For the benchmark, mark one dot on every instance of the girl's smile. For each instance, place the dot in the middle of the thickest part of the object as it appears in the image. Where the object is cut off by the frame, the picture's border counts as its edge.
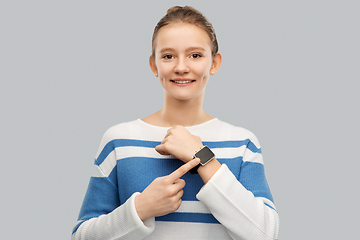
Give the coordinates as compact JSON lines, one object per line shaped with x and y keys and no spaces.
{"x":182,"y":82}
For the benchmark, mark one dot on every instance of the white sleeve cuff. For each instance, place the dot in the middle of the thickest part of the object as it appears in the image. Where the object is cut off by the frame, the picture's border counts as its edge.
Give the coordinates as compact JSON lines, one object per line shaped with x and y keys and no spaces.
{"x":142,"y":228}
{"x":223,"y":180}
{"x":233,"y":206}
{"x":122,"y":223}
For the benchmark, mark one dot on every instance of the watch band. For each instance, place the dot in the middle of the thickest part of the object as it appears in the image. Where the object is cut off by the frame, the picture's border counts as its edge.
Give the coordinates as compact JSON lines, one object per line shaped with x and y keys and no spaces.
{"x":194,"y":169}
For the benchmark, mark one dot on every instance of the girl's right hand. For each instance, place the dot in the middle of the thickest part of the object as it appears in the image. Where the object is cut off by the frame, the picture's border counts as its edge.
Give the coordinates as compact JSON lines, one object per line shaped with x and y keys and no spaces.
{"x":163,"y":195}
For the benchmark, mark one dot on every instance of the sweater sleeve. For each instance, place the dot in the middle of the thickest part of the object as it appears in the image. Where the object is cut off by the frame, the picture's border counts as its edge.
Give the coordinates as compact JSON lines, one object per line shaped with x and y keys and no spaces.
{"x":243,"y":204}
{"x":242,"y":214}
{"x":103,"y":215}
{"x":122,"y":223}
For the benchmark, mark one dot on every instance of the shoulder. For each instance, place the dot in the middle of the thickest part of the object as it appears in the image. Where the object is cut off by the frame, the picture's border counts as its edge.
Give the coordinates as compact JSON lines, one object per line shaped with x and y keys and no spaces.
{"x":121,"y":130}
{"x":118,"y":131}
{"x":232,"y":132}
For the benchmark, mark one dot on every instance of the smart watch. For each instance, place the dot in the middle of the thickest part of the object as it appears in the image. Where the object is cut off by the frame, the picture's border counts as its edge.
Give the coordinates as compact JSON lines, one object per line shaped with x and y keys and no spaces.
{"x":205,"y":155}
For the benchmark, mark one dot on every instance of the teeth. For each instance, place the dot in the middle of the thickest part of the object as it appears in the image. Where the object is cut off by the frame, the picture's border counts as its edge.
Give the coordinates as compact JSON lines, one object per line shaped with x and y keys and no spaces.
{"x":181,"y":82}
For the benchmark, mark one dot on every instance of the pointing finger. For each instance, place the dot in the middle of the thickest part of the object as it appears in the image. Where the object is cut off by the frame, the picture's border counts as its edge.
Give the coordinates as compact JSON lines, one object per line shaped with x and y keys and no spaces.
{"x":178,"y":173}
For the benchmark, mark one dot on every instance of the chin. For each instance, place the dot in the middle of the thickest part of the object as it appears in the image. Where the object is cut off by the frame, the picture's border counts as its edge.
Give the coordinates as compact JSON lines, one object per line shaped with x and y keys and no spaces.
{"x":187,"y":97}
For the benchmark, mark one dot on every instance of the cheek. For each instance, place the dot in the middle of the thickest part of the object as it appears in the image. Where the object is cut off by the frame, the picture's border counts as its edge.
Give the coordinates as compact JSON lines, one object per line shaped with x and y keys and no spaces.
{"x":164,"y":70}
{"x":202,"y":70}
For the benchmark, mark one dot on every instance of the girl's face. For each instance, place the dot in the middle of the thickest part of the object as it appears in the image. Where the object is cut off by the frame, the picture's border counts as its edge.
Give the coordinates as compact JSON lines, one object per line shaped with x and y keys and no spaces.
{"x":183,"y":60}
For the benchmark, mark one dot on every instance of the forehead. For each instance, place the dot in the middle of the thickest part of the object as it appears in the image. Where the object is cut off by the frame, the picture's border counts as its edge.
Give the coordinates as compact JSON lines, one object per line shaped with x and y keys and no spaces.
{"x":182,"y":35}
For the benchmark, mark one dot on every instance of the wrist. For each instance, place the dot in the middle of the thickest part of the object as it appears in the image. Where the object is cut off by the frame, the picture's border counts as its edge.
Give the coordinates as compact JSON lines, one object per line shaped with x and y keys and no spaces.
{"x":196,"y":146}
{"x":141,"y":208}
{"x":208,"y":170}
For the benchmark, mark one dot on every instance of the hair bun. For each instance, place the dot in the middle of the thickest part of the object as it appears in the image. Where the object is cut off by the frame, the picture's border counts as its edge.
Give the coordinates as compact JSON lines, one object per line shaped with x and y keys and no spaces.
{"x":173,"y":9}
{"x":186,"y":8}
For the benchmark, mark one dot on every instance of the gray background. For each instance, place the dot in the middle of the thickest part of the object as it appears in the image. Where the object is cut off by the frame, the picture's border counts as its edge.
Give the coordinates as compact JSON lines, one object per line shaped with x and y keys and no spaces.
{"x":71,"y":69}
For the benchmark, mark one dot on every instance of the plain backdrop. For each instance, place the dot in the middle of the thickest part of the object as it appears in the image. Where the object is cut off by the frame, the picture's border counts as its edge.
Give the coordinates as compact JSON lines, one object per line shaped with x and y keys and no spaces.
{"x":69,"y":70}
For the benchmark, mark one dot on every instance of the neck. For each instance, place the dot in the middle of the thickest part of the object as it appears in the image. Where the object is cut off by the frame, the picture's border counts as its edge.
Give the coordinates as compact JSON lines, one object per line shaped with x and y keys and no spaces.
{"x":183,"y":113}
{"x":177,"y":112}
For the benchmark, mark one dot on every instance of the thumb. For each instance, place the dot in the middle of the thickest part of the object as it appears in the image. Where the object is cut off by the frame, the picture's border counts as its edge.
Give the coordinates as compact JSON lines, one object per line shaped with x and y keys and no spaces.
{"x":160,"y":149}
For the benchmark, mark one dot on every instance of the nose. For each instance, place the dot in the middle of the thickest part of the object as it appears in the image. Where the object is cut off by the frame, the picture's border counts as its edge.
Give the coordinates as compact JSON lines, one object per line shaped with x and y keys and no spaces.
{"x":181,"y":66}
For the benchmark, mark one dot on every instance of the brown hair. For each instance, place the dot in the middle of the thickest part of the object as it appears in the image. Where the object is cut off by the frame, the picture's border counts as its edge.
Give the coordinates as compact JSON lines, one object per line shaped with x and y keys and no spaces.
{"x":190,"y":15}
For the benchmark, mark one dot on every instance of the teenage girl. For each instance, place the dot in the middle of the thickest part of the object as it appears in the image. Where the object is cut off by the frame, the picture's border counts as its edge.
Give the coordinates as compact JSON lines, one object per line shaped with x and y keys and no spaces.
{"x":179,"y":173}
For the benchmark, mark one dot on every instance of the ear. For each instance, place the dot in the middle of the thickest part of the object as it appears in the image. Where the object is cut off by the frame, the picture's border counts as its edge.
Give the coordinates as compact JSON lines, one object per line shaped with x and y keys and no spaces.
{"x":217,"y":59}
{"x":153,"y":65}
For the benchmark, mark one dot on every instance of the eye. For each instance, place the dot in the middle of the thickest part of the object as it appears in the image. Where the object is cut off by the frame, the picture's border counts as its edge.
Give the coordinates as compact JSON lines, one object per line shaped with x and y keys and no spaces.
{"x":196,"y":55}
{"x":168,"y":56}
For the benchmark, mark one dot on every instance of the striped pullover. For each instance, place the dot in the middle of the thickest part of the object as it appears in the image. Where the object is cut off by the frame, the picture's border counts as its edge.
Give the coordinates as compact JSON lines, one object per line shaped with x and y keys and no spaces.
{"x":236,"y":202}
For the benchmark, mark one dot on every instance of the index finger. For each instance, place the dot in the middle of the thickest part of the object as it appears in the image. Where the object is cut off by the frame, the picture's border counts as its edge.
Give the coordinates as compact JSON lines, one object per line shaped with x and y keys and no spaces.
{"x":178,"y":173}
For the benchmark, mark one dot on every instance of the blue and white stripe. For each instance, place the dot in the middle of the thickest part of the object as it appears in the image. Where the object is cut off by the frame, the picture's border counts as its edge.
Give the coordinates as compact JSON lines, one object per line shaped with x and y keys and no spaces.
{"x":127,"y":162}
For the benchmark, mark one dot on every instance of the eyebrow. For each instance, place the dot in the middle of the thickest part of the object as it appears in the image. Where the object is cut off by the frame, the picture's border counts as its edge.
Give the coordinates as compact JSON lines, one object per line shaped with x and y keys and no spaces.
{"x":195,"y":48}
{"x":187,"y":50}
{"x":167,"y":50}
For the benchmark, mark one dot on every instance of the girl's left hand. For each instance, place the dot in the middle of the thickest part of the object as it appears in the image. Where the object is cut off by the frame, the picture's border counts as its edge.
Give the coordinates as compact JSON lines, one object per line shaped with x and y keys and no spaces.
{"x":180,"y":143}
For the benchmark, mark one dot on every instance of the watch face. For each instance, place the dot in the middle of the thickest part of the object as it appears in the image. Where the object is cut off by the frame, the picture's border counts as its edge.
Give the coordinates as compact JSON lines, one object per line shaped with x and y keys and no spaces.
{"x":205,"y":155}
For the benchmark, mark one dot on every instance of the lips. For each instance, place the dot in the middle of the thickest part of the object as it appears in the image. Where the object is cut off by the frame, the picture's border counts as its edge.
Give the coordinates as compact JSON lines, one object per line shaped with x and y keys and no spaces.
{"x":182,"y":81}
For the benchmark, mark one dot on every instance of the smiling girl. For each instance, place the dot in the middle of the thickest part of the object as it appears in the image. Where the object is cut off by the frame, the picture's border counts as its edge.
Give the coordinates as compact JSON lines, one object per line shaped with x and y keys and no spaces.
{"x":179,"y":173}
